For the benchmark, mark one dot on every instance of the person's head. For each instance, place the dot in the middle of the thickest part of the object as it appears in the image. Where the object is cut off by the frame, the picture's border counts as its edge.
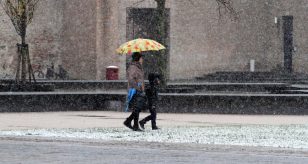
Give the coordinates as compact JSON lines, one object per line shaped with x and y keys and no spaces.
{"x":137,"y":57}
{"x":154,"y":78}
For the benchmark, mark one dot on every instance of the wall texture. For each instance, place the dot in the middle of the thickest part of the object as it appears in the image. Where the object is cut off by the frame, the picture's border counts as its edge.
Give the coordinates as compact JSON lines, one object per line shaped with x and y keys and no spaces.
{"x":82,"y":35}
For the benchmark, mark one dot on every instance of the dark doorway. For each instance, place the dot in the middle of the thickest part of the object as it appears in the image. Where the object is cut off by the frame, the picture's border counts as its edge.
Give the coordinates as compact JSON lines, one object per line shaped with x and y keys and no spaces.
{"x":288,"y":42}
{"x":143,"y":23}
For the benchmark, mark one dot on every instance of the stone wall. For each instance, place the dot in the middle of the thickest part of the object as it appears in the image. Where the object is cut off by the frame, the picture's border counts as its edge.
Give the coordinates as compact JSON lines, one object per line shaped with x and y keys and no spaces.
{"x":8,"y":40}
{"x":79,"y":39}
{"x":299,"y":10}
{"x":202,"y":43}
{"x":83,"y":36}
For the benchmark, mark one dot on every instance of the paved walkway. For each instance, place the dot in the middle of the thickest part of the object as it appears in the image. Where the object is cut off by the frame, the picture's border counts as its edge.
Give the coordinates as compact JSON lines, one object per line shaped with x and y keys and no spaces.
{"x":102,"y":119}
{"x":100,"y":137}
{"x":38,"y":152}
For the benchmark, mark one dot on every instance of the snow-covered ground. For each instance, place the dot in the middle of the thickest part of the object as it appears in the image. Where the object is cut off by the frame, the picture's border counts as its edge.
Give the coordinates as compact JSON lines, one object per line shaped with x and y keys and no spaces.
{"x":276,"y":131}
{"x":284,"y":136}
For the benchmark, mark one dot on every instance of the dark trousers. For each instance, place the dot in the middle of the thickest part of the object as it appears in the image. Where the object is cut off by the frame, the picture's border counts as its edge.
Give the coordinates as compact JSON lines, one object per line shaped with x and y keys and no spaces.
{"x":152,"y":116}
{"x":136,"y":105}
{"x":134,"y":116}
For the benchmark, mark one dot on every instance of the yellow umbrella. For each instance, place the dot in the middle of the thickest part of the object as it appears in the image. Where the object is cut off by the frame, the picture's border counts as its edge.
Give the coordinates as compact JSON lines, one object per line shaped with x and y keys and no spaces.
{"x":140,"y":45}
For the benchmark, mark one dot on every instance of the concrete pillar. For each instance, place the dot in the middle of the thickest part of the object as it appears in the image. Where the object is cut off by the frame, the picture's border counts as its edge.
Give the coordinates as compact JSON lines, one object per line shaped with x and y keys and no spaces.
{"x":107,"y":30}
{"x":99,"y":39}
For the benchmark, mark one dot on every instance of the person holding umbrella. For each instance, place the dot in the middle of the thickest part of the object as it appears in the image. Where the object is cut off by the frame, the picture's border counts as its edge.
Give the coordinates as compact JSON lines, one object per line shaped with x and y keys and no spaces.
{"x":136,"y":99}
{"x":135,"y":77}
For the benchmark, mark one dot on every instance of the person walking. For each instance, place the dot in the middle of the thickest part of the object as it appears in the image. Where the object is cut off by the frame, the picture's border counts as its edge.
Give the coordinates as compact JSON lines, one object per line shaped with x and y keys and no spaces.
{"x":135,"y":77}
{"x":152,"y":96}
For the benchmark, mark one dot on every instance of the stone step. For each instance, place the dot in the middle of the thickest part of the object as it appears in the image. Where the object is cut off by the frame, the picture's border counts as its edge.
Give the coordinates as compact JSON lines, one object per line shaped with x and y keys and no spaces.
{"x":178,"y":90}
{"x":238,"y":87}
{"x":294,"y":92}
{"x":252,"y":76}
{"x":27,"y":87}
{"x":295,"y":89}
{"x":212,"y":103}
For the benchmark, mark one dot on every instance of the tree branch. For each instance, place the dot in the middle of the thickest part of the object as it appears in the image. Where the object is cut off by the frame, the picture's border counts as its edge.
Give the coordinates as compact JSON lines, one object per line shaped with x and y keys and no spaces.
{"x":31,"y":8}
{"x":20,"y":12}
{"x":12,"y":13}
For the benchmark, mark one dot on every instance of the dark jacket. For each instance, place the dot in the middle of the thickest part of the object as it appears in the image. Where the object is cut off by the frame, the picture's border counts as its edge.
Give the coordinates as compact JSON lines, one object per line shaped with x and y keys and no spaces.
{"x":151,"y":92}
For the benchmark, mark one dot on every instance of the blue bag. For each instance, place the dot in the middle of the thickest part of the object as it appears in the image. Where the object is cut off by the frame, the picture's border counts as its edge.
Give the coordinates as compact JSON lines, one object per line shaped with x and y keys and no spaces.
{"x":130,"y":95}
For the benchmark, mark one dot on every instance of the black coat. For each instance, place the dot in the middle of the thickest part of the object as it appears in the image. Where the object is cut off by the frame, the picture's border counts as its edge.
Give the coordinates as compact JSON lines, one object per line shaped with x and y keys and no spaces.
{"x":151,"y":92}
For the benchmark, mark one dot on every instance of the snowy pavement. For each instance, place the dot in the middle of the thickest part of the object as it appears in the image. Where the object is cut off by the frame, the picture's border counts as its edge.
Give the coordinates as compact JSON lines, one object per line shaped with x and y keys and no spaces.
{"x":235,"y":130}
{"x":59,"y":152}
{"x":284,"y":136}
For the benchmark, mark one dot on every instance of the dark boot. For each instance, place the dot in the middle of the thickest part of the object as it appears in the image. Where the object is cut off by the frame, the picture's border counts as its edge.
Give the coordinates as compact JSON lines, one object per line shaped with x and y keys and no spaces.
{"x":138,"y":130}
{"x":141,"y":123}
{"x":128,"y":121}
{"x":127,"y":124}
{"x":136,"y":124}
{"x":154,"y":127}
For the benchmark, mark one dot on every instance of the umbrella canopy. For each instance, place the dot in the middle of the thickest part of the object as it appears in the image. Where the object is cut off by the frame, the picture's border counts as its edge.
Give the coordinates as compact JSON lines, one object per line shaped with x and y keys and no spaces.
{"x":139,"y":45}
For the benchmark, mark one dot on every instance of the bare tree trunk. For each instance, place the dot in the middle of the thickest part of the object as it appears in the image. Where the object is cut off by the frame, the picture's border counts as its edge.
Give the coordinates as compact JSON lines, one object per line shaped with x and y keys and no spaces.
{"x":23,"y":64}
{"x":30,"y":70}
{"x":24,"y":46}
{"x":17,"y":79}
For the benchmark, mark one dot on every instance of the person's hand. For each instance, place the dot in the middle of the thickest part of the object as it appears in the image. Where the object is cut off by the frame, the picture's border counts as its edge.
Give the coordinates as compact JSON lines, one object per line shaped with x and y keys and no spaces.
{"x":141,"y":94}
